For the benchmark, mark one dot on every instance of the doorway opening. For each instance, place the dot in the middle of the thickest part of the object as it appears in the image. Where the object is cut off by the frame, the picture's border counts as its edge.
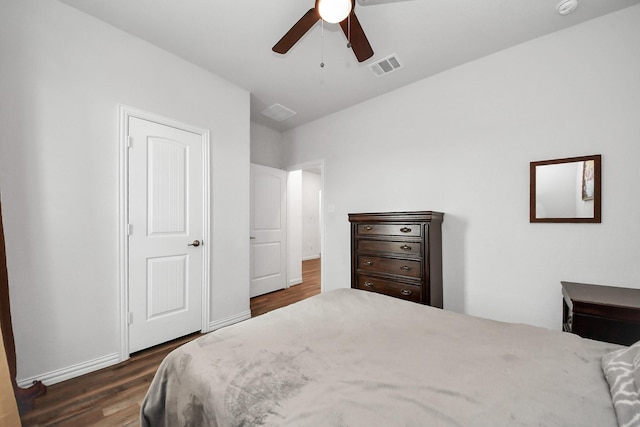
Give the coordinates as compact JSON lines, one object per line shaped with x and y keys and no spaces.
{"x":305,"y":200}
{"x":304,"y":234}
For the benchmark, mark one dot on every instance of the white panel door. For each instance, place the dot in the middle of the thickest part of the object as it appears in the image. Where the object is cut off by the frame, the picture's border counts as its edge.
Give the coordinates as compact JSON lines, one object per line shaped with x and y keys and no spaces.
{"x":268,"y":230}
{"x":165,"y":242}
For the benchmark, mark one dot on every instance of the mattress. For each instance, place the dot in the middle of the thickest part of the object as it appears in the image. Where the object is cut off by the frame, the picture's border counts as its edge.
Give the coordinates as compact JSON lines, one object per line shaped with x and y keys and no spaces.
{"x":354,"y":358}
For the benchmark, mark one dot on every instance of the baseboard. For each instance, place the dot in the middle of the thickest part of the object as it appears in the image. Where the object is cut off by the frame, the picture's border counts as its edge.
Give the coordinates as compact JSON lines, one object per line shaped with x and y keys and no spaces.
{"x":308,"y":258}
{"x":59,"y":375}
{"x":73,"y":371}
{"x":296,"y":281}
{"x":229,"y":320}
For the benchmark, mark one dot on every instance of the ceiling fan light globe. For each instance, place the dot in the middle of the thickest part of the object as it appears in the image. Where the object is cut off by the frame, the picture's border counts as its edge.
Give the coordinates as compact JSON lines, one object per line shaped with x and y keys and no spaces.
{"x":334,"y":11}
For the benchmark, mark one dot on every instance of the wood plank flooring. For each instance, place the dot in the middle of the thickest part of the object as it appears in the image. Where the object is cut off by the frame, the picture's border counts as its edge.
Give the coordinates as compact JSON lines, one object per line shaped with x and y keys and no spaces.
{"x":309,"y":287}
{"x":112,"y":396}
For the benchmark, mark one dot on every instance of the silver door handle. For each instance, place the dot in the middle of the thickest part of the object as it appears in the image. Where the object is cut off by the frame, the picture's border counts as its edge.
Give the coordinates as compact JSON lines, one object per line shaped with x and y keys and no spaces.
{"x":195,"y":243}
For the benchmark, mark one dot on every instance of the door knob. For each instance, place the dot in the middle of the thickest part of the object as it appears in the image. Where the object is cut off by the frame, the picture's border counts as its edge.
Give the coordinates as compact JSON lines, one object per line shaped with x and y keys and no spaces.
{"x":195,"y":243}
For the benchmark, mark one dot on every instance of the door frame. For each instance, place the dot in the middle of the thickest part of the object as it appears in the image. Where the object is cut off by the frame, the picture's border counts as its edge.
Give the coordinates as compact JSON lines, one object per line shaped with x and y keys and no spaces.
{"x":323,"y":211}
{"x":125,"y":113}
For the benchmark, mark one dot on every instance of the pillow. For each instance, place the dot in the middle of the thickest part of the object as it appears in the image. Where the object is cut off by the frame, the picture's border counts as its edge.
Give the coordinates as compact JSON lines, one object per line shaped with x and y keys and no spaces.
{"x":622,"y":371}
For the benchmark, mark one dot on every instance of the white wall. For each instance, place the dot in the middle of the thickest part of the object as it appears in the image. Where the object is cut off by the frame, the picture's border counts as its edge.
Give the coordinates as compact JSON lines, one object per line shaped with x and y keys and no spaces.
{"x":311,"y":185}
{"x":266,"y":146}
{"x":461,"y":142}
{"x":63,"y":75}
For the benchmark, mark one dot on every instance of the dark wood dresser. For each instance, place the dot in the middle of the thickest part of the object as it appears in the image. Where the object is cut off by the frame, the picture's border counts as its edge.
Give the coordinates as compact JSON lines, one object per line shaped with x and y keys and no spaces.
{"x":398,"y":254}
{"x":603,"y":313}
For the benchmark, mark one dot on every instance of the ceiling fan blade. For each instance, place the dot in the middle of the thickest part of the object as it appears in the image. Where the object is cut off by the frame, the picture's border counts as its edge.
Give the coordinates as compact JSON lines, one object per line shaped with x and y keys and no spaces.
{"x":296,"y":32}
{"x":355,"y":34}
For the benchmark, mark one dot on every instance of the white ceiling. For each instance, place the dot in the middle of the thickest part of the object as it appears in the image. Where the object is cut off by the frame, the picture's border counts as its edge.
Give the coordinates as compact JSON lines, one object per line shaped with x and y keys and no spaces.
{"x":233,"y":39}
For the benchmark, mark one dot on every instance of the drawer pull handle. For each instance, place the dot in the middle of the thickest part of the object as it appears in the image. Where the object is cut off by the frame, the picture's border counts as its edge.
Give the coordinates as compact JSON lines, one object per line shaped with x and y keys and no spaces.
{"x":368,"y":228}
{"x":406,"y":292}
{"x":368,"y":284}
{"x":368,"y":262}
{"x":405,"y":268}
{"x":405,"y":247}
{"x":405,"y":229}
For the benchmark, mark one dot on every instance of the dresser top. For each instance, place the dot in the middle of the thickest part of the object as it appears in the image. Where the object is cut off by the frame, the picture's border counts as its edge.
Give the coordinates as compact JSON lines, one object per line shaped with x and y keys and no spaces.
{"x":397,"y":216}
{"x":603,"y":295}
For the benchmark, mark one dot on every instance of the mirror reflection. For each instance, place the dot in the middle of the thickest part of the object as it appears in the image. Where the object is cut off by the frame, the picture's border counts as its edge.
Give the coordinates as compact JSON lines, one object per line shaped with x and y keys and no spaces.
{"x":566,"y":190}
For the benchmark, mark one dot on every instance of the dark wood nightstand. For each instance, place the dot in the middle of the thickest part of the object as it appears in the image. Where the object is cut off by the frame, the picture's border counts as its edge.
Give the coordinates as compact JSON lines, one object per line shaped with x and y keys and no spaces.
{"x":603,"y":313}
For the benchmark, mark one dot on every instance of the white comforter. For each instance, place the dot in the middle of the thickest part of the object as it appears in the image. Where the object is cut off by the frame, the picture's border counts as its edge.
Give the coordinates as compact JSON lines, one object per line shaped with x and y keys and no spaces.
{"x":355,"y":358}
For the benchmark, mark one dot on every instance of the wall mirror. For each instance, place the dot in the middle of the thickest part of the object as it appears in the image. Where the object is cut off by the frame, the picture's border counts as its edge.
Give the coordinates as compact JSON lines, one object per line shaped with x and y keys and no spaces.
{"x":566,"y":190}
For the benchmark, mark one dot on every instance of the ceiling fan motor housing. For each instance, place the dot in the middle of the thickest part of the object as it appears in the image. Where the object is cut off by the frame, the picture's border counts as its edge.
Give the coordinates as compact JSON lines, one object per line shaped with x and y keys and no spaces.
{"x":334,"y":11}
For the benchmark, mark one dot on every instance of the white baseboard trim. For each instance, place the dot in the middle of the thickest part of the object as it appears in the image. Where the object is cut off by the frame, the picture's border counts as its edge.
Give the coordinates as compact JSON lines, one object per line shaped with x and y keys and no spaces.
{"x":307,"y":258}
{"x":295,"y":281}
{"x":59,"y":375}
{"x":72,"y":371}
{"x":229,"y":320}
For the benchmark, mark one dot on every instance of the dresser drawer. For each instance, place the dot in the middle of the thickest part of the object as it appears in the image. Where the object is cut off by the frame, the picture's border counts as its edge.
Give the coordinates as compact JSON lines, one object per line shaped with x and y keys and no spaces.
{"x":413,"y":230}
{"x":389,"y":287}
{"x":405,"y":248}
{"x":400,"y":267}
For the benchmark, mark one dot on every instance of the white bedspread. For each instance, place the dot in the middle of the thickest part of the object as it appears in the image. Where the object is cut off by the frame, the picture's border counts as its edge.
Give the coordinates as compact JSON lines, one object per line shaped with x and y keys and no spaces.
{"x":355,"y":358}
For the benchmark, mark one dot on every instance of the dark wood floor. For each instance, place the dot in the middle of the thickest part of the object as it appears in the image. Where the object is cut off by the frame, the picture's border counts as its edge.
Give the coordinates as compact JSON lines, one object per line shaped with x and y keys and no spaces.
{"x":309,"y":287}
{"x":112,"y":396}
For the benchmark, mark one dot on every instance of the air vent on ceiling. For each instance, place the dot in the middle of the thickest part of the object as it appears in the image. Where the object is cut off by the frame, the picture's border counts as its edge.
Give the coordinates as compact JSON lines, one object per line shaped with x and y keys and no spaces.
{"x":278,"y":112}
{"x":385,"y":65}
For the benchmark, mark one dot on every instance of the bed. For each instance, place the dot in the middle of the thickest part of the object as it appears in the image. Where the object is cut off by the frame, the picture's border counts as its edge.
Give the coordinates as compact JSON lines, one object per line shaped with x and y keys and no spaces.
{"x":354,"y":358}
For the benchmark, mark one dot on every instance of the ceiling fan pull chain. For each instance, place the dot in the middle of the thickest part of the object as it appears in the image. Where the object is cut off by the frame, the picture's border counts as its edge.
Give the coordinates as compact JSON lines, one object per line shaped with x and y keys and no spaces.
{"x":349,"y":31}
{"x":322,"y":43}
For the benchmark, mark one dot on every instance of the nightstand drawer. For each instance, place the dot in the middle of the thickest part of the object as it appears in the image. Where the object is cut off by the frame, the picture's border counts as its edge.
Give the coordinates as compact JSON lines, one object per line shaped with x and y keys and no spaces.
{"x":603,"y":329}
{"x":389,"y":287}
{"x":413,"y":230}
{"x":399,"y":267}
{"x":405,"y":248}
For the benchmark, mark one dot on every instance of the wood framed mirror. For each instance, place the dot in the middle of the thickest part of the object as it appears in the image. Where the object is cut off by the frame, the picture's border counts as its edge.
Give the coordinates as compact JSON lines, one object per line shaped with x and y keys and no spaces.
{"x":566,"y":190}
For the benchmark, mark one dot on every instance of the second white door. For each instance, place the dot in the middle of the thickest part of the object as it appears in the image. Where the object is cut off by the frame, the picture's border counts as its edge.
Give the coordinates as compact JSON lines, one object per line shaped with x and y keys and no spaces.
{"x":268,"y":230}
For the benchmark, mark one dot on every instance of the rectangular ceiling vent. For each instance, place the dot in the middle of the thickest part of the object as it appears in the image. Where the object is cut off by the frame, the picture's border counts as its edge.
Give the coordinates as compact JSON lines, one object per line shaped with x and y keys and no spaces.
{"x":386,"y":65}
{"x":278,"y":112}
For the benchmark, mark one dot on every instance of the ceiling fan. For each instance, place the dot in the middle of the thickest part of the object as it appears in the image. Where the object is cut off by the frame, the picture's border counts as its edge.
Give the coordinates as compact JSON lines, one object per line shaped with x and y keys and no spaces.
{"x":332,"y":11}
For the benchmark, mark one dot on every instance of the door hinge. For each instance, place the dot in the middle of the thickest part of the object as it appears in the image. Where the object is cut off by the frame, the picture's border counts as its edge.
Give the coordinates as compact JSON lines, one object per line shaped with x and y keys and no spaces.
{"x":130,"y":318}
{"x":129,"y":141}
{"x":129,"y":229}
